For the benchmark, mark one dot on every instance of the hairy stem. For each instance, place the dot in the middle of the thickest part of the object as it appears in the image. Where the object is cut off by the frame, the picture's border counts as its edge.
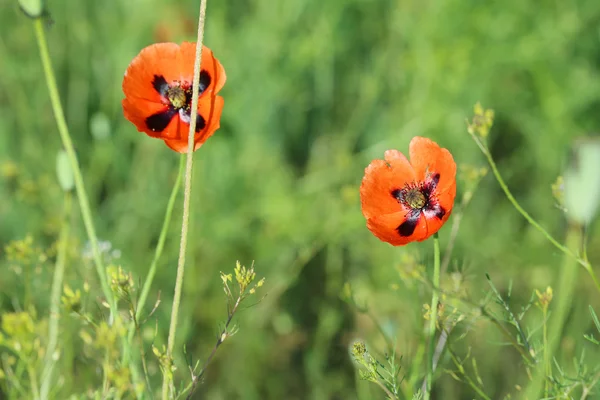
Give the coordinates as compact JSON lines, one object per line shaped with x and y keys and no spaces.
{"x":167,"y":379}
{"x":68,"y":145}
{"x":84,"y":204}
{"x":57,"y":282}
{"x":158,"y":252}
{"x":433,"y":314}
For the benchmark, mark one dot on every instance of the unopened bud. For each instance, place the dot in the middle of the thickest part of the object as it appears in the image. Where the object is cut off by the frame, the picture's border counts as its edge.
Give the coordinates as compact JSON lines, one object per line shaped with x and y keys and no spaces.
{"x":582,"y":181}
{"x":32,"y":8}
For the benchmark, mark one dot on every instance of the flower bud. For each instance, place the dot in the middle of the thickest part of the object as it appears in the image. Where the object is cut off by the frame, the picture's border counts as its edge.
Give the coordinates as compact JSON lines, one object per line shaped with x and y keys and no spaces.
{"x":32,"y":8}
{"x":64,"y":171}
{"x":582,"y":181}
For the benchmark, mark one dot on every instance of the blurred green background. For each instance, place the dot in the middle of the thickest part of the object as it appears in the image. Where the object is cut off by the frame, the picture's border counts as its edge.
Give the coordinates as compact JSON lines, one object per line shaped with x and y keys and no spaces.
{"x":315,"y":90}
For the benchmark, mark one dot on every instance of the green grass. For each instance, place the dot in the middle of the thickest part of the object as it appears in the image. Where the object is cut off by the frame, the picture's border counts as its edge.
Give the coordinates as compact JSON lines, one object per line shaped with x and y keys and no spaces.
{"x":315,"y":90}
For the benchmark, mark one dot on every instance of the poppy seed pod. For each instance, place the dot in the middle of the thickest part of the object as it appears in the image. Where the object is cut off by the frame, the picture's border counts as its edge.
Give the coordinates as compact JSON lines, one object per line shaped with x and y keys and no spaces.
{"x":32,"y":8}
{"x":582,"y":181}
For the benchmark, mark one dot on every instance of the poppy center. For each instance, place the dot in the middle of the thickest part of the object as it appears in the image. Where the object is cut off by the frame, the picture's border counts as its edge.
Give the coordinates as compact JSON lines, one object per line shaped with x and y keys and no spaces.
{"x":177,"y":96}
{"x":415,"y":198}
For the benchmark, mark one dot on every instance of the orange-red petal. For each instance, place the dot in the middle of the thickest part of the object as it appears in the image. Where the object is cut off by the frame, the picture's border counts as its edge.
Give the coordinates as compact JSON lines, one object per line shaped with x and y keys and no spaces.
{"x":157,"y":59}
{"x":381,"y":178}
{"x":385,"y":228}
{"x":173,"y":64}
{"x":209,"y":64}
{"x":212,"y":108}
{"x":428,"y":158}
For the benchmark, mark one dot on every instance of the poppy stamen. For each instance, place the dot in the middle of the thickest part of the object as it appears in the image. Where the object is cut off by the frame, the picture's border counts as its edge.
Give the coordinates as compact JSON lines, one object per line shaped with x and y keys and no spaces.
{"x":413,"y":196}
{"x":177,"y":96}
{"x":415,"y":199}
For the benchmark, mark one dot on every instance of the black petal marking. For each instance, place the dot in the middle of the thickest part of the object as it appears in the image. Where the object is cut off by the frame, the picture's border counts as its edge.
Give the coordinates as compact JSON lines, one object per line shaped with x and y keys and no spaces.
{"x":435,"y":179}
{"x":159,"y":121}
{"x":440,"y":212}
{"x":200,"y":123}
{"x":408,"y":227}
{"x":204,"y":81}
{"x":397,"y":194}
{"x":160,"y":84}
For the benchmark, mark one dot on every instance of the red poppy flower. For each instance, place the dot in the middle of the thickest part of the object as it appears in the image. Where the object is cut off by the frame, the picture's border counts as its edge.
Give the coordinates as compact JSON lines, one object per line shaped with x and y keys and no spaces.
{"x":158,"y":93}
{"x":409,"y":201}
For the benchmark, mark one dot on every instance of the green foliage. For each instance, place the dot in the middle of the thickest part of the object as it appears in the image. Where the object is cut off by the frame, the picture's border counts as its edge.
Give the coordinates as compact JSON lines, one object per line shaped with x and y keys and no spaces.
{"x":314,"y":91}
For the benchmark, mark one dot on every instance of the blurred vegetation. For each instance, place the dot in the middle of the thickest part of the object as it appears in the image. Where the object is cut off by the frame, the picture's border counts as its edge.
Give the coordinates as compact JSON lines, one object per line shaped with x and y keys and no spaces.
{"x":315,"y":90}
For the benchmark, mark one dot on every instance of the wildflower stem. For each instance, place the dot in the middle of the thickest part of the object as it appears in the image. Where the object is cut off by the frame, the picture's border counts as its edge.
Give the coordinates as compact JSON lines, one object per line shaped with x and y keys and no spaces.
{"x":33,"y":380}
{"x":472,"y":384}
{"x":68,"y":145}
{"x":158,"y":252}
{"x":57,"y":281}
{"x":566,"y":287}
{"x":547,"y":366}
{"x":168,"y":377}
{"x":525,"y":214}
{"x":433,"y":314}
{"x":84,"y":204}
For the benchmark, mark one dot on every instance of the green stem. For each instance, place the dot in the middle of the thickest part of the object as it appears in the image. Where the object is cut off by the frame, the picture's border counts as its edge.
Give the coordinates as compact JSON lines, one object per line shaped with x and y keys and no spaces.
{"x":547,"y":366}
{"x":33,"y":380}
{"x":82,"y":197}
{"x":433,"y":314}
{"x":566,"y":287}
{"x":57,"y":281}
{"x":68,"y":145}
{"x":158,"y":252}
{"x":528,"y":217}
{"x":472,"y":384}
{"x":168,"y":377}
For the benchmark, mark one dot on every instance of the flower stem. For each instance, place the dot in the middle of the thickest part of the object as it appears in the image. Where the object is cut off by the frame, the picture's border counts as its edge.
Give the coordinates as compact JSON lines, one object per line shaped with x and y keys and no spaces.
{"x":547,"y":366}
{"x":433,"y":315}
{"x":57,"y":280}
{"x":68,"y":145}
{"x":566,"y":287}
{"x":158,"y":252}
{"x":586,"y":265}
{"x":167,"y":378}
{"x":84,"y":204}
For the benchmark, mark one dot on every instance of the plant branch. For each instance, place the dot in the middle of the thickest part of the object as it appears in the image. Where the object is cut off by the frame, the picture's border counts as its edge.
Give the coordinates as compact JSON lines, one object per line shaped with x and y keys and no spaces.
{"x":167,"y":379}
{"x":433,"y":314}
{"x":57,"y":281}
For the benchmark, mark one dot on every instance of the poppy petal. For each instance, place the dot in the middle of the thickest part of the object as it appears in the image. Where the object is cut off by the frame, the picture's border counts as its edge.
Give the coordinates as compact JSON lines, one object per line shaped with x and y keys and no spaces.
{"x":214,"y":107}
{"x":380,"y":180}
{"x":150,"y":104}
{"x":211,"y":68}
{"x":427,"y":157}
{"x":436,"y":218}
{"x":157,"y":61}
{"x":446,"y":199}
{"x":388,"y":228}
{"x":137,"y":111}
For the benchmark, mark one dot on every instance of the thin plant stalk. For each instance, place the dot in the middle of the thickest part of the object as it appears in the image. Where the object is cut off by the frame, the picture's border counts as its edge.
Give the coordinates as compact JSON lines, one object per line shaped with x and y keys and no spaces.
{"x":167,"y":378}
{"x":564,"y":296}
{"x":470,"y":382}
{"x":218,"y":344}
{"x":433,"y":314}
{"x":82,"y":197}
{"x":63,"y":130}
{"x":57,"y":283}
{"x":158,"y":251}
{"x":583,"y":261}
{"x":547,"y":365}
